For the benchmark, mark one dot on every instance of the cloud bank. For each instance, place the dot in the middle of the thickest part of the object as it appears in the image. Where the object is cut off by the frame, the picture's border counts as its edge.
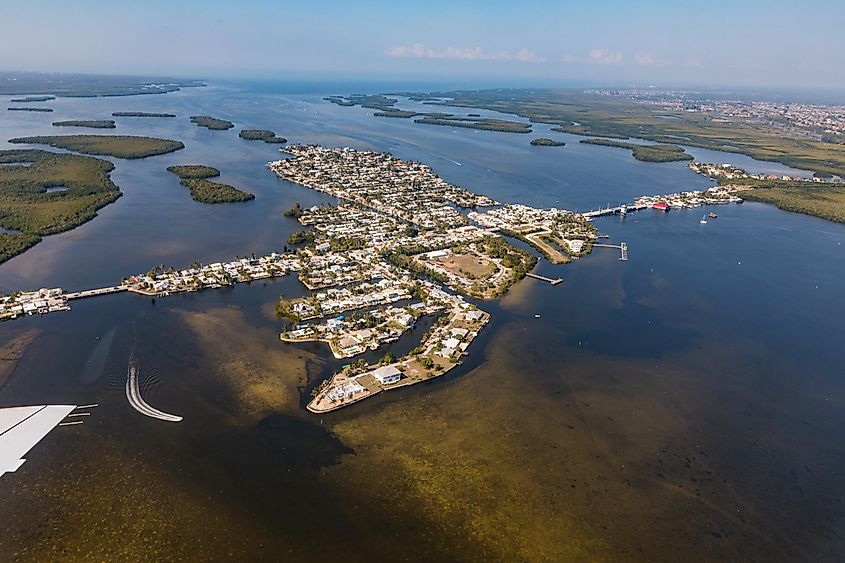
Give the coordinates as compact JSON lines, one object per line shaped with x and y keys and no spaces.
{"x":420,"y":51}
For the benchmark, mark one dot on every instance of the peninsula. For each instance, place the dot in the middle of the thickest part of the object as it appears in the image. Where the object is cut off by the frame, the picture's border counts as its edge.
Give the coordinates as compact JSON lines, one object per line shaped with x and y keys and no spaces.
{"x":645,"y":153}
{"x":120,"y":146}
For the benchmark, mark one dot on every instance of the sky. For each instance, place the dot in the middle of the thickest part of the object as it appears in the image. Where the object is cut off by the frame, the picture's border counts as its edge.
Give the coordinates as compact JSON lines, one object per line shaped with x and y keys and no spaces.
{"x":600,"y":43}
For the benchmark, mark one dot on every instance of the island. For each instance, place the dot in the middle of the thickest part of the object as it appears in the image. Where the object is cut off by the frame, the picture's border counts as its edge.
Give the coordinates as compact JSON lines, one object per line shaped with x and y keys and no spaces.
{"x":92,"y":123}
{"x":44,"y":110}
{"x":194,"y":177}
{"x":211,"y":122}
{"x":262,"y":135}
{"x":645,"y":153}
{"x":44,"y":193}
{"x":120,"y":146}
{"x":546,"y":142}
{"x":29,"y":99}
{"x":193,"y":171}
{"x":141,"y":114}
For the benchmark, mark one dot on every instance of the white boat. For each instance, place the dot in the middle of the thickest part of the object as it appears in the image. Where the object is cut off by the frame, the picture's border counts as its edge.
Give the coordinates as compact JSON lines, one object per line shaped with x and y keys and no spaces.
{"x":703,"y":220}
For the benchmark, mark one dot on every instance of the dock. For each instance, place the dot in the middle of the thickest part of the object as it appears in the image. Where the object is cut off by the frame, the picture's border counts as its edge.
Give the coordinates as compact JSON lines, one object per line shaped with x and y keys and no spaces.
{"x":623,"y":249}
{"x":544,"y":278}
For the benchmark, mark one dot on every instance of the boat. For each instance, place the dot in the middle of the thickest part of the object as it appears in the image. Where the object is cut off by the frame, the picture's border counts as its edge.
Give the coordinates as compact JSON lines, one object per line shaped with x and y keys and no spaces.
{"x":703,"y":220}
{"x":712,"y":215}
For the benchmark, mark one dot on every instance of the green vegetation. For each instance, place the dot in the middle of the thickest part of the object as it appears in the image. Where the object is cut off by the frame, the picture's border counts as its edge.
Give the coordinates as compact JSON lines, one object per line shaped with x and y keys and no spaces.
{"x":93,"y":123}
{"x":295,"y":211}
{"x":581,"y":113}
{"x":43,"y":110}
{"x":193,"y":177}
{"x":26,"y":205}
{"x":193,"y":171}
{"x":87,"y":85}
{"x":483,"y":123}
{"x":120,"y":146}
{"x":394,"y":112}
{"x":646,"y":153}
{"x":211,"y":122}
{"x":299,"y":237}
{"x":546,"y":142}
{"x":206,"y":191}
{"x":820,"y":199}
{"x":261,"y":135}
{"x":141,"y":114}
{"x":520,"y":261}
{"x":29,"y":99}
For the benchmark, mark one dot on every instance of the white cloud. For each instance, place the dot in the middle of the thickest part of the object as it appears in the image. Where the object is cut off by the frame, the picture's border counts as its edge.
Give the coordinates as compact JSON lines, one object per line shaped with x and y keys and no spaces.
{"x":645,"y":58}
{"x":420,"y":51}
{"x":595,"y":57}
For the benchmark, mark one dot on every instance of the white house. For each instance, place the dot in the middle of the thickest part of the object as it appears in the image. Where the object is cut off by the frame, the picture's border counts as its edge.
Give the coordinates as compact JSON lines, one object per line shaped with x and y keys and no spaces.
{"x":387,"y":375}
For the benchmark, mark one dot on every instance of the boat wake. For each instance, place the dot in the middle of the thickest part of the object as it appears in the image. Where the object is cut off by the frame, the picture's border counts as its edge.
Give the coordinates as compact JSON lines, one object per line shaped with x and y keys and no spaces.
{"x":133,"y":395}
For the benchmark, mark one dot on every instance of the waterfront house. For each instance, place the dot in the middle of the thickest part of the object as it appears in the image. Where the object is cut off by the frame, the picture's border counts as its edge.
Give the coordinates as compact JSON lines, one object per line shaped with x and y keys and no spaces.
{"x":387,"y":375}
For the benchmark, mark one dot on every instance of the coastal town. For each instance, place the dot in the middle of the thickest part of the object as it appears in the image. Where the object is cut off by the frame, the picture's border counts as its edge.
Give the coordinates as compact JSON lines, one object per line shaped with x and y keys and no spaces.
{"x":400,"y":245}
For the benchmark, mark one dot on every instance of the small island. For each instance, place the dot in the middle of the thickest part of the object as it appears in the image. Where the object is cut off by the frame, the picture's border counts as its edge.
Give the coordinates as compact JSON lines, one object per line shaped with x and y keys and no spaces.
{"x":645,"y":153}
{"x":141,"y":114}
{"x":44,"y":193}
{"x":546,"y":142}
{"x":211,"y":122}
{"x":92,"y":123}
{"x":262,"y":135}
{"x":45,"y":110}
{"x":194,"y":177}
{"x":120,"y":146}
{"x":194,"y":171}
{"x":30,"y":99}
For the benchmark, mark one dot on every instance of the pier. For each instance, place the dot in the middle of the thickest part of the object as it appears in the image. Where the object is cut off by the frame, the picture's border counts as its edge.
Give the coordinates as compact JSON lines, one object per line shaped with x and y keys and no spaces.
{"x":623,"y":249}
{"x":545,"y":279}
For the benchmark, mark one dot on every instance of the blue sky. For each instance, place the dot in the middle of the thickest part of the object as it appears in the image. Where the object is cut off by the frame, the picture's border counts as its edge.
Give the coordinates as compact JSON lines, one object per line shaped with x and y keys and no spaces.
{"x":715,"y":43}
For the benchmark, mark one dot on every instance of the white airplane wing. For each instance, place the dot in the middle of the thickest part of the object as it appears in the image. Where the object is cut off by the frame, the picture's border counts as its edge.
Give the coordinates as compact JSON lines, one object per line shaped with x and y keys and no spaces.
{"x":23,"y":427}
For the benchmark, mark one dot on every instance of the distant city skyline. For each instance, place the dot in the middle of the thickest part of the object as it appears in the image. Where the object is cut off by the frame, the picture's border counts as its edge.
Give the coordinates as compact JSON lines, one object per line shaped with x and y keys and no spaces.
{"x":719,"y":43}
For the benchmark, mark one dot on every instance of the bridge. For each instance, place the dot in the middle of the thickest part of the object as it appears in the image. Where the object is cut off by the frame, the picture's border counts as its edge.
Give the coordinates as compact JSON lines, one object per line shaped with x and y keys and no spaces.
{"x":544,"y":278}
{"x":94,"y":292}
{"x":623,"y":248}
{"x":618,"y":210}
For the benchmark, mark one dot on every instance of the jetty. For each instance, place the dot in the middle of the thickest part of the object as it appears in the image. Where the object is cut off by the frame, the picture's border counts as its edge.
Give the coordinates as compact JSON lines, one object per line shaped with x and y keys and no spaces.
{"x":623,"y":248}
{"x":545,"y":279}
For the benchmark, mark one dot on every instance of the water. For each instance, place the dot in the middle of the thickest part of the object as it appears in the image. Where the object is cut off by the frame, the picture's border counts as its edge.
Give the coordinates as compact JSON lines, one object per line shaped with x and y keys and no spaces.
{"x":685,"y":404}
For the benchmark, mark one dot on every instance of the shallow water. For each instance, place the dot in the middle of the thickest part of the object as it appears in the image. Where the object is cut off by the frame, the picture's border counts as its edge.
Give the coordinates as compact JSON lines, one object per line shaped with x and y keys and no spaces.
{"x":685,"y":404}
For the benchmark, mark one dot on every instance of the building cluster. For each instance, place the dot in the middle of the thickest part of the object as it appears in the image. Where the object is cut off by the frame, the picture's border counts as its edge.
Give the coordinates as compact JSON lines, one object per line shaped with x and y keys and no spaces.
{"x":218,"y":274}
{"x":407,"y":190}
{"x":731,"y":172}
{"x":816,"y":121}
{"x":41,"y":301}
{"x":718,"y":195}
